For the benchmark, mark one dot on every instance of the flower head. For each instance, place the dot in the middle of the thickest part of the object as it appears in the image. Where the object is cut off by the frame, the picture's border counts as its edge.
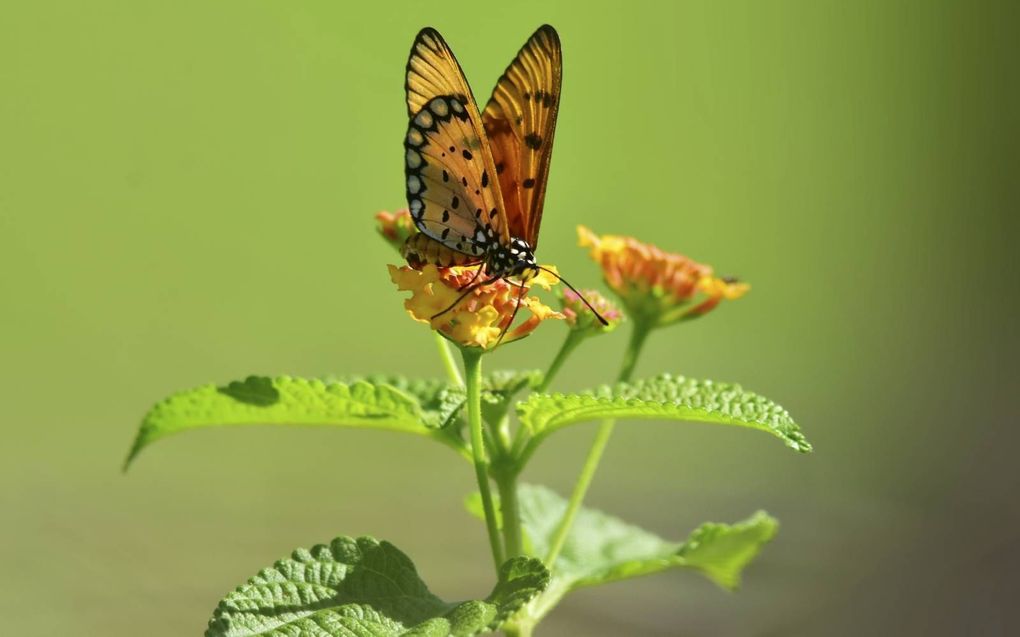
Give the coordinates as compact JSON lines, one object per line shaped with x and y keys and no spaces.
{"x":657,"y":287}
{"x":395,"y":227}
{"x":579,"y":316}
{"x":483,"y":315}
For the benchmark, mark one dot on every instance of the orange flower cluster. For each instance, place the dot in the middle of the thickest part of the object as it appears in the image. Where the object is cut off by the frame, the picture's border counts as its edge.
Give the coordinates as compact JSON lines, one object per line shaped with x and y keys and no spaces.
{"x":395,"y":227}
{"x":483,"y":315}
{"x":657,"y":287}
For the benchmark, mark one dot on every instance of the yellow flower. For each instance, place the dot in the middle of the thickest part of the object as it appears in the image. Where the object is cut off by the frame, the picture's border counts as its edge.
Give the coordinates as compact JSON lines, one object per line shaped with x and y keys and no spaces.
{"x":483,"y":315}
{"x":657,"y":286}
{"x":579,"y":317}
{"x":395,"y":227}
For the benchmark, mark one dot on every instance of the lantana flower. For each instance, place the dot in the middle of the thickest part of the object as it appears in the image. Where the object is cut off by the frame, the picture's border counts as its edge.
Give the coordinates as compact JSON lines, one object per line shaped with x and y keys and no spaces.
{"x":483,"y":315}
{"x":395,"y":227}
{"x":657,"y":287}
{"x":580,"y":318}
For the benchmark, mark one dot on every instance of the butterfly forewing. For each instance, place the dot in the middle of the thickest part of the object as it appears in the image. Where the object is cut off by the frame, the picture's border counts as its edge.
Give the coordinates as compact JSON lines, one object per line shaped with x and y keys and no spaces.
{"x":451,"y":192}
{"x":432,"y":70}
{"x":520,"y":121}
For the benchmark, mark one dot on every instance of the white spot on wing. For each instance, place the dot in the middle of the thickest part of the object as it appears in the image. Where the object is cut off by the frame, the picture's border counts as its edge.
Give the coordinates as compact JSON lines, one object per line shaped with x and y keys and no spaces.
{"x":424,"y":119}
{"x":439,"y":107}
{"x":413,"y":158}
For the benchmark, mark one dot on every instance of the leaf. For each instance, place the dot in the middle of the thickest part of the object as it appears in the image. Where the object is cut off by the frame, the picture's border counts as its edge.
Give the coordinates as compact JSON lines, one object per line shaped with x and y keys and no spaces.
{"x":440,"y":403}
{"x":367,"y":588}
{"x":601,"y":548}
{"x":664,"y":397}
{"x":255,"y":390}
{"x":292,"y":401}
{"x":500,"y":388}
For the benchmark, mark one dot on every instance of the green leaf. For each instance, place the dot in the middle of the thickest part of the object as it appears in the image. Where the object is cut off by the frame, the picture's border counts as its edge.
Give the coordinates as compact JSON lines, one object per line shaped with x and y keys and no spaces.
{"x":500,"y":388}
{"x":366,"y":588}
{"x":601,"y":548}
{"x":440,"y":403}
{"x":664,"y":398}
{"x":296,"y":401}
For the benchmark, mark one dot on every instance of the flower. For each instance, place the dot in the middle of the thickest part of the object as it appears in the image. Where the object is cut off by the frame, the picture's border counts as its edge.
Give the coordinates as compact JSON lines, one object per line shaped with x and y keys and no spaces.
{"x":579,"y":317}
{"x":657,"y":287}
{"x":483,"y":315}
{"x":395,"y":227}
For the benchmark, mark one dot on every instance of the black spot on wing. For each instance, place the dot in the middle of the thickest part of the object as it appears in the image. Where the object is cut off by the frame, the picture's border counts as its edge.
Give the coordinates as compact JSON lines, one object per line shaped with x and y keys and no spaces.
{"x":454,"y":203}
{"x":485,"y":179}
{"x":467,"y":154}
{"x":529,"y":183}
{"x":533,"y":141}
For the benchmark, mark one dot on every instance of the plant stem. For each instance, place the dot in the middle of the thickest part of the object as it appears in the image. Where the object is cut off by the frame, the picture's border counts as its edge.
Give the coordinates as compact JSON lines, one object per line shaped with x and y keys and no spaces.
{"x":574,"y":338}
{"x":630,"y":357}
{"x":473,"y":371}
{"x":446,"y":356}
{"x":598,"y":446}
{"x":518,"y":630}
{"x":507,"y":484}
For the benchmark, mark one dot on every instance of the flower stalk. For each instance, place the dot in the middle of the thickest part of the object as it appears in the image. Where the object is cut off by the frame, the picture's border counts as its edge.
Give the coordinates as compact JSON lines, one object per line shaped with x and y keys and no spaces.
{"x":574,"y":338}
{"x":638,"y":336}
{"x":473,"y":373}
{"x":446,"y":357}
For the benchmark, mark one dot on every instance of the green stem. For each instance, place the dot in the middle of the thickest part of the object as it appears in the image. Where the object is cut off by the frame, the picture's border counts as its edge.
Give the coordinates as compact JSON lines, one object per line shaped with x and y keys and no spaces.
{"x":630,"y":357}
{"x":473,"y":371}
{"x":521,"y":438}
{"x":446,"y":356}
{"x":509,"y":507}
{"x":518,"y":629}
{"x":574,"y":338}
{"x":598,"y":446}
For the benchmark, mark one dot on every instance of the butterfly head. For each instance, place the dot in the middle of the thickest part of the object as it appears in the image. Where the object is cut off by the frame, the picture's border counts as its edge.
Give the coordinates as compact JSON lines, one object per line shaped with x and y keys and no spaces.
{"x":516,"y":260}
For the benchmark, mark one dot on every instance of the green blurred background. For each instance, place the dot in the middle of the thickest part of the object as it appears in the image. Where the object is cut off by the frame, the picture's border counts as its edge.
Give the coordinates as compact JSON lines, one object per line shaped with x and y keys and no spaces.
{"x":186,"y":195}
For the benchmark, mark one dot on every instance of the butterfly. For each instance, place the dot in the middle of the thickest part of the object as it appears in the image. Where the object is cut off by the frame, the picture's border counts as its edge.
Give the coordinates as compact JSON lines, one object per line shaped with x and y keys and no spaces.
{"x":476,"y":181}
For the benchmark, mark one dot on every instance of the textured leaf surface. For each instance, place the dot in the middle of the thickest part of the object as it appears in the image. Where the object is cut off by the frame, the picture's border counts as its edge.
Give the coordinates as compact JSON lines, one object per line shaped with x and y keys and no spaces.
{"x":665,"y":398}
{"x":296,"y":401}
{"x":364,"y":588}
{"x":601,"y":548}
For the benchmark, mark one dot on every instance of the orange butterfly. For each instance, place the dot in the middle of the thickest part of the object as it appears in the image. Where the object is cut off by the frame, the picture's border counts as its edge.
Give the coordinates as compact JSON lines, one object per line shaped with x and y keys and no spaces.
{"x":476,"y":181}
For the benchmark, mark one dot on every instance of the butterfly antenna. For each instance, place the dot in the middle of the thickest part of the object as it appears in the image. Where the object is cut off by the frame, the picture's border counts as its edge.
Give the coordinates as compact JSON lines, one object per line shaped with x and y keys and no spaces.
{"x":520,"y":295}
{"x":580,"y":296}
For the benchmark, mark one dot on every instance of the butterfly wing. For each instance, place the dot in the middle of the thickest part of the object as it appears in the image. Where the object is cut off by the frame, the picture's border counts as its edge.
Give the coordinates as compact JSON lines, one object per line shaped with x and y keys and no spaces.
{"x":432,"y":70}
{"x":451,"y":193}
{"x":520,"y":121}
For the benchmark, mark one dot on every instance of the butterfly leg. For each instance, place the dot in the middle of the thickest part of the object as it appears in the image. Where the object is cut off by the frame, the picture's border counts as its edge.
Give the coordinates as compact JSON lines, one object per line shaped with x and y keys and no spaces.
{"x":481,"y":266}
{"x":468,"y":290}
{"x":520,"y":296}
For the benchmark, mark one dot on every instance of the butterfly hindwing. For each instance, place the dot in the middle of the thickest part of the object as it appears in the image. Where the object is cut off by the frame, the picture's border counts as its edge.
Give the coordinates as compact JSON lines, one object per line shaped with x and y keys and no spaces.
{"x":451,"y":191}
{"x":520,"y":121}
